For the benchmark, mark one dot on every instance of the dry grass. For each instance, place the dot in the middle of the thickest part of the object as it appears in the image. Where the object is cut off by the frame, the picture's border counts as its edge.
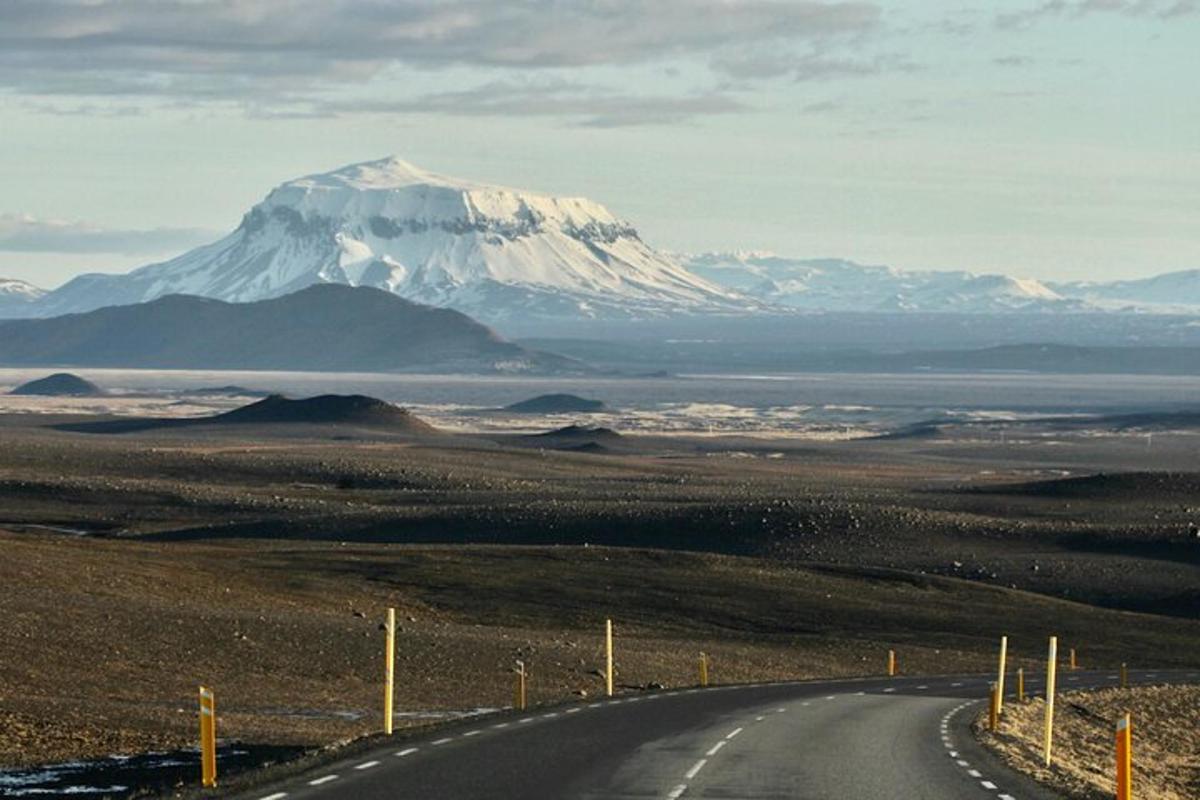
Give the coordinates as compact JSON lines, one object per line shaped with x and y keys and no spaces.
{"x":1166,"y":733}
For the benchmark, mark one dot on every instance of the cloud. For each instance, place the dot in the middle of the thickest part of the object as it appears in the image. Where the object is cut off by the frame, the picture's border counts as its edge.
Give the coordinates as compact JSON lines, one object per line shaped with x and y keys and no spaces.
{"x":224,"y":49}
{"x":1161,"y":9}
{"x":592,"y":106}
{"x":1013,"y":61}
{"x":28,"y":234}
{"x":815,"y":66}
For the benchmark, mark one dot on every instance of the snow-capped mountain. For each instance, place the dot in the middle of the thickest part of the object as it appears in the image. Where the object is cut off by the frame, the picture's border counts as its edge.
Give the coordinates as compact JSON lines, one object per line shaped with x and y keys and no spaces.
{"x":838,"y":285}
{"x":488,"y":251}
{"x":1169,"y":292}
{"x":17,"y":298}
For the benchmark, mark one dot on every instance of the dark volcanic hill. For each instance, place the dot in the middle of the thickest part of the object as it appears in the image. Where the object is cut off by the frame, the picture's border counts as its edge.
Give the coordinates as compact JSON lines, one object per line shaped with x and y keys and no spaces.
{"x":556,"y":404}
{"x":273,"y":411}
{"x":60,"y":384}
{"x":324,"y":327}
{"x":326,"y":409}
{"x":576,"y":438}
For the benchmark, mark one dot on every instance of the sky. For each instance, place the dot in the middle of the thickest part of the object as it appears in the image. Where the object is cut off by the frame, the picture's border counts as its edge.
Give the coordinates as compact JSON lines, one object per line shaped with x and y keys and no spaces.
{"x":1054,"y":139}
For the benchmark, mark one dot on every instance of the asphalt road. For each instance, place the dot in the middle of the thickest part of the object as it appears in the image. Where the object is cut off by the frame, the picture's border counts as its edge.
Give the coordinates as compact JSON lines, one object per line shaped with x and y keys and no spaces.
{"x":834,"y":740}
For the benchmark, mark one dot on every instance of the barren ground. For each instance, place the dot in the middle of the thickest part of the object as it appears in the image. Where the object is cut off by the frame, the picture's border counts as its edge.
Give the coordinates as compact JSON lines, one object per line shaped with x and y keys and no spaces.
{"x":1166,"y":746}
{"x":260,"y":562}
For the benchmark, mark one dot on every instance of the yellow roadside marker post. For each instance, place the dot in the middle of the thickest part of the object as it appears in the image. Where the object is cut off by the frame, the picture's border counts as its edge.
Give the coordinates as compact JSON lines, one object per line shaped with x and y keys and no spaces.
{"x":703,"y":669}
{"x":993,"y":707}
{"x":891,"y":663}
{"x":1051,"y":669}
{"x":519,"y":697}
{"x":1124,"y":676}
{"x":389,"y":671}
{"x":608,"y":658}
{"x":208,"y":738}
{"x":1021,"y":684}
{"x":1125,"y":758}
{"x":1000,"y":677}
{"x":1074,"y":666}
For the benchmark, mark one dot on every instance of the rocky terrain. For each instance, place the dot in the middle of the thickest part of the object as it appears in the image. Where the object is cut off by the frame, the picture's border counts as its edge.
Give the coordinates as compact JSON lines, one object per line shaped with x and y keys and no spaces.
{"x":260,"y":562}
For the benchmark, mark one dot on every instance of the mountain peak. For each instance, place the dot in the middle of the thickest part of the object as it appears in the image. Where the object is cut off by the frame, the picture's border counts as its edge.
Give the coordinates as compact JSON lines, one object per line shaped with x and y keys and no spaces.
{"x":491,"y":251}
{"x":391,"y":172}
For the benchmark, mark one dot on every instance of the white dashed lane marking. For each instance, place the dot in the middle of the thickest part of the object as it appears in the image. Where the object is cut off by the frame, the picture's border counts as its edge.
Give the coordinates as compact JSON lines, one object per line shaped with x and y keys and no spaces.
{"x":675,"y":793}
{"x":734,"y":733}
{"x":367,"y":765}
{"x":712,"y":751}
{"x":699,"y":765}
{"x":320,"y":781}
{"x":276,"y":796}
{"x":440,"y":742}
{"x":408,"y":751}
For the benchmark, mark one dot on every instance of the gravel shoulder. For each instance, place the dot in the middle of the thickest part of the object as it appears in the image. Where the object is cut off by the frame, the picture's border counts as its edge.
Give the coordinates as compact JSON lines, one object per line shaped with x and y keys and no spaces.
{"x":1166,"y":741}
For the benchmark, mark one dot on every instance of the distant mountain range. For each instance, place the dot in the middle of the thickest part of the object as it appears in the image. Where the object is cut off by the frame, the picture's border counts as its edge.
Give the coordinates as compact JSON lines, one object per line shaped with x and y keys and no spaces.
{"x":507,"y":256}
{"x":839,"y":285}
{"x":328,"y":327}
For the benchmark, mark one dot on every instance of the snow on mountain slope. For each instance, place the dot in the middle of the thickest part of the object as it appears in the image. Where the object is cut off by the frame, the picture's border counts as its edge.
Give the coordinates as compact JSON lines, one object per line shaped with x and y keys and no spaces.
{"x":17,"y":297}
{"x":1169,"y":292}
{"x":837,"y":285}
{"x":489,"y":251}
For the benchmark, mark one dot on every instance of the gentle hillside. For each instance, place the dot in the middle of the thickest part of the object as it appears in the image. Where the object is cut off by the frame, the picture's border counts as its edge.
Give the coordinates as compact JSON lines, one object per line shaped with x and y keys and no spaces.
{"x":556,"y":404}
{"x":328,"y":409}
{"x":326,"y":327}
{"x":60,"y":384}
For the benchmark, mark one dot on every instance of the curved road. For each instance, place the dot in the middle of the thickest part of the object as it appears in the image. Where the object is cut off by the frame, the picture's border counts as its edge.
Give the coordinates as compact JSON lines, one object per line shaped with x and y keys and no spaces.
{"x":832,"y":740}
